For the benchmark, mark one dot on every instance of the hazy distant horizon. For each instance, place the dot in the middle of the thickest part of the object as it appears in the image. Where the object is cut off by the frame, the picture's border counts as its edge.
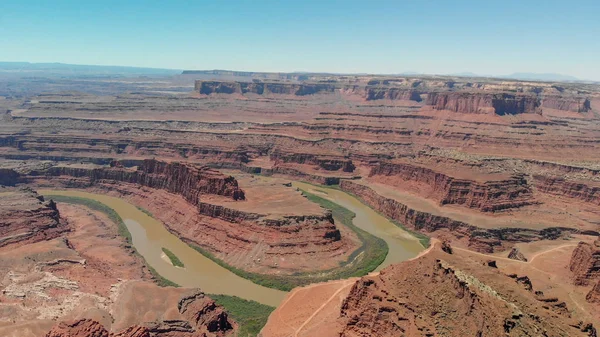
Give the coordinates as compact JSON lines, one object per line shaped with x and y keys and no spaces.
{"x":381,"y":37}
{"x":149,"y":70}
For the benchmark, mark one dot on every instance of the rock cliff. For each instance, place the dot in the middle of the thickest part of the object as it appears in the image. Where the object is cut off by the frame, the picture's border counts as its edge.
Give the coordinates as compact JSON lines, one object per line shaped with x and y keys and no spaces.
{"x":444,"y":296}
{"x":574,"y":104}
{"x":594,"y":295}
{"x":368,"y":92}
{"x":480,"y":239}
{"x":484,"y":103}
{"x":585,"y":263}
{"x":328,"y":163}
{"x":8,"y":177}
{"x":561,"y":187}
{"x":26,"y":218}
{"x":262,"y":88}
{"x":486,"y":196}
{"x":187,"y":180}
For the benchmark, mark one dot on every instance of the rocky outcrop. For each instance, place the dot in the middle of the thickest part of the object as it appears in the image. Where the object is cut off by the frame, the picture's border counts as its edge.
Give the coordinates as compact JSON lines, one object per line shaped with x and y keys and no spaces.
{"x":515,"y":254}
{"x":561,"y":187}
{"x":26,"y":218}
{"x":8,"y":177}
{"x":205,"y":313}
{"x":432,"y":296}
{"x":201,"y":317}
{"x":79,"y":328}
{"x":394,"y":94}
{"x":567,"y":103}
{"x":328,"y":163}
{"x":594,"y":295}
{"x":484,"y":103}
{"x":187,"y":180}
{"x":133,"y":331}
{"x":585,"y":263}
{"x":480,"y":239}
{"x":486,"y":196}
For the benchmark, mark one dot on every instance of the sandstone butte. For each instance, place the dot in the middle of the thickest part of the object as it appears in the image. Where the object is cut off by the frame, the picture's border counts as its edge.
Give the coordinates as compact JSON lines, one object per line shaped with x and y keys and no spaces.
{"x":505,"y":173}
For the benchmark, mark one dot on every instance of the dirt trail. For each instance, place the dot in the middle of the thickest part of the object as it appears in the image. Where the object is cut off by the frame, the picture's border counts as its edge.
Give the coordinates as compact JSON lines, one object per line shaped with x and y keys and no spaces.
{"x":346,"y":284}
{"x":534,"y":256}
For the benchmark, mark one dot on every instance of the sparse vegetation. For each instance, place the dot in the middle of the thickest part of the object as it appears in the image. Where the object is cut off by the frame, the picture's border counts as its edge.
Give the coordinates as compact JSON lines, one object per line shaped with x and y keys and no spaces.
{"x":250,"y":315}
{"x":145,"y":211}
{"x":174,"y":259}
{"x":122,"y":228}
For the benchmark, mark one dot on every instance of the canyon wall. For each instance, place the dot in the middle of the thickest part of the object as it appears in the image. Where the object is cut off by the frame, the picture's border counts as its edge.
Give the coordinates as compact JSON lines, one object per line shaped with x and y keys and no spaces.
{"x":187,"y":180}
{"x":585,"y":263}
{"x":329,"y":163}
{"x":561,"y":187}
{"x":26,"y":218}
{"x":486,"y":196}
{"x":8,"y":177}
{"x":442,"y":295}
{"x":479,"y":239}
{"x":484,"y":103}
{"x":245,"y":239}
{"x":574,"y":104}
{"x":368,"y":93}
{"x":261,"y":88}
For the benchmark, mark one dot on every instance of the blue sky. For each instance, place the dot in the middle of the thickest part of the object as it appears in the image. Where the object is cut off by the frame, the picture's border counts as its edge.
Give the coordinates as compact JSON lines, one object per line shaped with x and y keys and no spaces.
{"x":438,"y":37}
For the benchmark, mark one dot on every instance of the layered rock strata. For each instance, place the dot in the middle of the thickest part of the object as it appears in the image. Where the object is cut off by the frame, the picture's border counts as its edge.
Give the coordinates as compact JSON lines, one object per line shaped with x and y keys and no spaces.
{"x":486,"y":196}
{"x":368,"y":92}
{"x":515,"y":254}
{"x":479,"y":239}
{"x":570,"y":189}
{"x":585,"y":263}
{"x":250,"y":240}
{"x":26,"y":218}
{"x":187,"y":180}
{"x":484,"y":103}
{"x":574,"y":104}
{"x":439,"y":295}
{"x":328,"y":163}
{"x":594,"y":295}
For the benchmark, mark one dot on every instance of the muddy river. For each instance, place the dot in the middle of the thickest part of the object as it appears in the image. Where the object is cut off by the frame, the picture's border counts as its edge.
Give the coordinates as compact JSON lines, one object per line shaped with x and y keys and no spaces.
{"x":150,"y":236}
{"x":402,"y":246}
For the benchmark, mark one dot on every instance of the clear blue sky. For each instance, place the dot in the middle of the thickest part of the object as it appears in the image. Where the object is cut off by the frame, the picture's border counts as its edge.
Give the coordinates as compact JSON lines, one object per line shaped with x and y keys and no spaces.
{"x":444,"y":36}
